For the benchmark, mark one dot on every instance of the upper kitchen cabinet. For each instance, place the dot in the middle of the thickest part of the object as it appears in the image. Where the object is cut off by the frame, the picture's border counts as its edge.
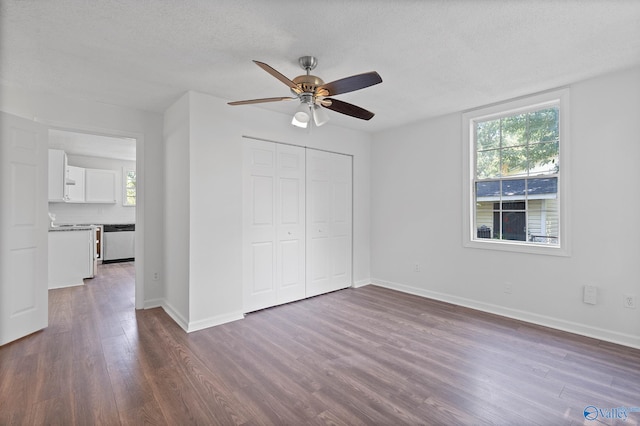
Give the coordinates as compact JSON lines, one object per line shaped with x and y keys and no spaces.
{"x":100,"y":186}
{"x":75,"y":192}
{"x":58,"y":181}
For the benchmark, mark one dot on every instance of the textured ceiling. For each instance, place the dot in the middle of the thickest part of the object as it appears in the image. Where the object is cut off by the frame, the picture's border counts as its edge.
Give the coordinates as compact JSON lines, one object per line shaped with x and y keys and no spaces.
{"x":435,"y":57}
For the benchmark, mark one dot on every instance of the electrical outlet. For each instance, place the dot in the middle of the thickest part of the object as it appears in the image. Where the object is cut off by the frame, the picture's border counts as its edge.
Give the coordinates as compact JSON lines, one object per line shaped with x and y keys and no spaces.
{"x":508,"y":288}
{"x":416,"y":268}
{"x":629,"y":301}
{"x":156,"y":275}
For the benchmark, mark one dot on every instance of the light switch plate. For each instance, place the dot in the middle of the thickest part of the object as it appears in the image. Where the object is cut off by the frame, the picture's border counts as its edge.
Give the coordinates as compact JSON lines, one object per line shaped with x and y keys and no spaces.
{"x":590,"y":295}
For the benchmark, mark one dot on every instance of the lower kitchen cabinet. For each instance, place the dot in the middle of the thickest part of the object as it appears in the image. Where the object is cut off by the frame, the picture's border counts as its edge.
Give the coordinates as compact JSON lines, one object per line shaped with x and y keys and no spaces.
{"x":71,"y":256}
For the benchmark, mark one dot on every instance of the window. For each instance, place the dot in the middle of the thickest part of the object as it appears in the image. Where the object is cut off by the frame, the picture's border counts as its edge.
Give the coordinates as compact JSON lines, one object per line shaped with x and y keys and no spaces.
{"x":129,"y":180}
{"x":517,"y":172}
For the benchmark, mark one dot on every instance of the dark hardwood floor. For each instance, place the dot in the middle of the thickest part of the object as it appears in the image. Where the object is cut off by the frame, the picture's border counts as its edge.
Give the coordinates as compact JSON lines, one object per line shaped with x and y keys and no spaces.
{"x":354,"y":357}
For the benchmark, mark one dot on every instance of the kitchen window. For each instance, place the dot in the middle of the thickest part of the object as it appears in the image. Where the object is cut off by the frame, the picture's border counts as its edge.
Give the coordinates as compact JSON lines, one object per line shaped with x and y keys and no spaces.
{"x":516,"y":174}
{"x":129,"y":190}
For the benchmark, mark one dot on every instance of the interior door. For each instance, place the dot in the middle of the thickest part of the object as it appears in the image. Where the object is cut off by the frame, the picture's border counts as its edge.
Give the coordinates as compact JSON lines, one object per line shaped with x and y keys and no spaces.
{"x":23,"y":227}
{"x":290,"y":223}
{"x":329,"y":222}
{"x":274,"y":230}
{"x":259,"y":236}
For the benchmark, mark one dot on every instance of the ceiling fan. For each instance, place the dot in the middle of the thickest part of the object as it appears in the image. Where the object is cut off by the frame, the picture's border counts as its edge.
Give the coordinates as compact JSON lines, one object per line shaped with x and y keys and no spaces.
{"x":315,"y":95}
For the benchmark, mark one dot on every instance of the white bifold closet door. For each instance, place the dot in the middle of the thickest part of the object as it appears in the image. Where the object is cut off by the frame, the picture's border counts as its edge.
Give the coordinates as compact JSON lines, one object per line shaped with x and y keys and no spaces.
{"x":297,"y":231}
{"x":274,"y":224}
{"x":329,"y":222}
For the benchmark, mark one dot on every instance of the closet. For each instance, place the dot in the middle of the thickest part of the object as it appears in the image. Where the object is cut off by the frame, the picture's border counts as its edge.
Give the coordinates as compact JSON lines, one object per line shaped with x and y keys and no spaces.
{"x":297,"y":223}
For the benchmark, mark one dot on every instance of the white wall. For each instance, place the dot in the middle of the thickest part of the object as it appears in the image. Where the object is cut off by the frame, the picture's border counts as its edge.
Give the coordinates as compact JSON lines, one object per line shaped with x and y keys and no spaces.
{"x":100,"y":118}
{"x":98,"y":214}
{"x":416,"y":209}
{"x":216,"y":133}
{"x":176,"y":211}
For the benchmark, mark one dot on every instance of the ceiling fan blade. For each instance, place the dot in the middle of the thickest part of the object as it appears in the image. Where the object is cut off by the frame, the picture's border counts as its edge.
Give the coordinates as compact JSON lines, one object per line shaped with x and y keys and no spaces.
{"x":258,"y":101}
{"x":349,"y":84}
{"x":348,"y":109}
{"x":279,"y":76}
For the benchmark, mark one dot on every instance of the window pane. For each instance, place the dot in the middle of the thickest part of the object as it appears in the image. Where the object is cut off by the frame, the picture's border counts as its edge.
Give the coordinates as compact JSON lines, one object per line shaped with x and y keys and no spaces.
{"x":514,"y":161}
{"x":514,"y":226}
{"x":514,"y":130}
{"x":488,"y":164}
{"x":484,"y":219}
{"x":542,"y":187}
{"x":543,"y":125}
{"x":513,"y":187}
{"x":546,"y":236}
{"x":488,"y":189}
{"x":515,"y":205}
{"x":488,"y":135}
{"x":130,"y":188}
{"x":543,"y":158}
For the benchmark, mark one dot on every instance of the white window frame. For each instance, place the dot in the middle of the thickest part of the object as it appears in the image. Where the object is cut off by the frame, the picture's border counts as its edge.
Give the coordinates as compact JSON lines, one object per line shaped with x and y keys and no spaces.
{"x":556,"y":97}
{"x":125,"y":173}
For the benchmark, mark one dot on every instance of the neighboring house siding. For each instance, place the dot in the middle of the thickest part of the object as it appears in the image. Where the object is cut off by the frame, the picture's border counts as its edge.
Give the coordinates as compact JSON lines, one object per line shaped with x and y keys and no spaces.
{"x":543,"y":217}
{"x":553,"y":221}
{"x":485,"y":216}
{"x":535,"y":225}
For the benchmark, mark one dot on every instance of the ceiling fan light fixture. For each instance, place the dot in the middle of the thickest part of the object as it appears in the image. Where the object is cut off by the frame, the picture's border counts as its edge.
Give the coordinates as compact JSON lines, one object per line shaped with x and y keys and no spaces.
{"x":302,"y":124}
{"x":320,"y":116}
{"x":302,"y":116}
{"x":315,"y":95}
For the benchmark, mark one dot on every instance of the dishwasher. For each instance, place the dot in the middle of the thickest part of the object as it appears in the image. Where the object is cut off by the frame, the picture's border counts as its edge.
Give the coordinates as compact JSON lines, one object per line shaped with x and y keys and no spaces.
{"x":119,"y":243}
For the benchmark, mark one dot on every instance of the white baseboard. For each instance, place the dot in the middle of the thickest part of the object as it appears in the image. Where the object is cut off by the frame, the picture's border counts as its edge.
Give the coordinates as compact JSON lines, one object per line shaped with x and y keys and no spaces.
{"x":75,"y":284}
{"x":153,"y":303}
{"x":194,"y":325}
{"x":179,"y":319}
{"x":543,"y":320}
{"x":361,"y":283}
{"x":213,"y":321}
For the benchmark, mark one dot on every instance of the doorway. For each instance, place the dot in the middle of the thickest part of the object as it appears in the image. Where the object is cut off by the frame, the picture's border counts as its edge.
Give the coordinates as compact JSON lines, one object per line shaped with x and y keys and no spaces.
{"x":101,"y":154}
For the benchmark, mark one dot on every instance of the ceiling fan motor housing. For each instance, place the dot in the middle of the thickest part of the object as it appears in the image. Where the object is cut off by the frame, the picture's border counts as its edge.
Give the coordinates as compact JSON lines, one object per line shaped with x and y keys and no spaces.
{"x":308,"y":83}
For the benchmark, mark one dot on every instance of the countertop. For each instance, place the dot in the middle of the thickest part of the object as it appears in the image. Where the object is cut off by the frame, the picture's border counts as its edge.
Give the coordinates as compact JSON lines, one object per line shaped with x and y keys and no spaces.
{"x":58,"y":228}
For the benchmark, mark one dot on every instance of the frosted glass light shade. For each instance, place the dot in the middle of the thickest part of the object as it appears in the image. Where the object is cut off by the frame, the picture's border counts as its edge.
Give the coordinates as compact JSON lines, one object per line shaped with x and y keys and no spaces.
{"x":302,"y":116}
{"x":320,"y":116}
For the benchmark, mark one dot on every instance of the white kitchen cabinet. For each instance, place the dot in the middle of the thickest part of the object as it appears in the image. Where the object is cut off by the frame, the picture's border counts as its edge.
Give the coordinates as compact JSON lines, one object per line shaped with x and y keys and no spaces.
{"x":71,"y":257}
{"x":57,"y":175}
{"x":75,"y":192}
{"x":100,"y":186}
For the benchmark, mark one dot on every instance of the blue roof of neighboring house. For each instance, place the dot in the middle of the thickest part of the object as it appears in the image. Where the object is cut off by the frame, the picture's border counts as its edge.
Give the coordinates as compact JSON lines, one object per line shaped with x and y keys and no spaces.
{"x":514,"y":187}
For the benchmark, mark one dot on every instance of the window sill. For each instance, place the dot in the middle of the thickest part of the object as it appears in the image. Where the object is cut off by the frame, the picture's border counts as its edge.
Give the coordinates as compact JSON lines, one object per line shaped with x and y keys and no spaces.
{"x":517,"y":247}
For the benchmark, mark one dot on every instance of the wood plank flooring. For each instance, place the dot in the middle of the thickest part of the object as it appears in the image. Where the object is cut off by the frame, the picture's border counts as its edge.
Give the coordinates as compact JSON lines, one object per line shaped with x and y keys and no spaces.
{"x":368,"y":356}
